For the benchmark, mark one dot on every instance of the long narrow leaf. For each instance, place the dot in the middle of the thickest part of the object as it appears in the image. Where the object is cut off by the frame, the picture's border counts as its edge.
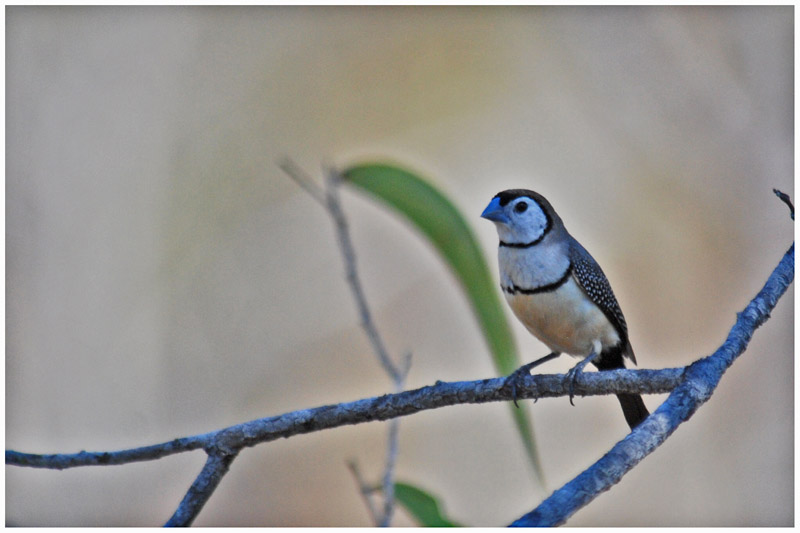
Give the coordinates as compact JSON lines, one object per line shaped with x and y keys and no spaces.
{"x":422,"y":506}
{"x":440,"y":221}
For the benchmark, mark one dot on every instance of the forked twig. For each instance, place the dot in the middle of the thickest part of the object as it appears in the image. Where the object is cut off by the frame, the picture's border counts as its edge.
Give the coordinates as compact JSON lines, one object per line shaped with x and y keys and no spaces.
{"x":204,"y":485}
{"x":365,"y":490}
{"x":329,"y":198}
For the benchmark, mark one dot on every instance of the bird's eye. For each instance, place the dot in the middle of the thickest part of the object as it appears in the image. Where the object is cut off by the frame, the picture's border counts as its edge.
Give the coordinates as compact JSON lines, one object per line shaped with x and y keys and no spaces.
{"x":521,"y":207}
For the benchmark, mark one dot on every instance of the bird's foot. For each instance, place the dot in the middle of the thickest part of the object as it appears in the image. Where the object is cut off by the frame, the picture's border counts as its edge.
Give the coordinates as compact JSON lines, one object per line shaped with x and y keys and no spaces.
{"x":572,"y":376}
{"x":515,"y":377}
{"x":524,"y":371}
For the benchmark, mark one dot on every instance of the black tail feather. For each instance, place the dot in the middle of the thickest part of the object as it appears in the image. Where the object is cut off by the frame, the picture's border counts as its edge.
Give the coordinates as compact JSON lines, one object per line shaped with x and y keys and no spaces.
{"x":632,"y":404}
{"x":633,"y":408}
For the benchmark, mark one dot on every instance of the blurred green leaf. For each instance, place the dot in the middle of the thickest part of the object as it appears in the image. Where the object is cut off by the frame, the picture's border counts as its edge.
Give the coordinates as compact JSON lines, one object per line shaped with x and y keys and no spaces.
{"x":422,"y":506}
{"x":441,"y":222}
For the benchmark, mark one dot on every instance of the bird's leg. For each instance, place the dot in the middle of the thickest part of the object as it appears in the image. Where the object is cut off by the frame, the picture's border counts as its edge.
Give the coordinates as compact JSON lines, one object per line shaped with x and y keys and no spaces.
{"x":573,"y":373}
{"x":525,"y":370}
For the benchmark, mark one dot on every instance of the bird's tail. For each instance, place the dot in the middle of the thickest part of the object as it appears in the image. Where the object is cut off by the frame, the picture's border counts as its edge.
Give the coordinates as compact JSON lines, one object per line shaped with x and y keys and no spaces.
{"x":633,"y":408}
{"x":632,"y":404}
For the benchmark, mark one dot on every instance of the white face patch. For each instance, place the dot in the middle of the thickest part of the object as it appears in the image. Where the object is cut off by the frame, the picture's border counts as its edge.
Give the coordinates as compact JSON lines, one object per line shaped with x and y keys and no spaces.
{"x":528,"y":220}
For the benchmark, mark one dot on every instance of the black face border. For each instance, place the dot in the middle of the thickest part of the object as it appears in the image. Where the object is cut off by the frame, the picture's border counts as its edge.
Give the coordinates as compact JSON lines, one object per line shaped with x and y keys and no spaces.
{"x":510,"y":195}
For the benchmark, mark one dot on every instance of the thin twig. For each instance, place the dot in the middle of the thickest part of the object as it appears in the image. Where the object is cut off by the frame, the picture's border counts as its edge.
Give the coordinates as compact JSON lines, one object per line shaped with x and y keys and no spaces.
{"x":304,"y":180}
{"x":398,"y":375}
{"x":389,"y":472}
{"x":392,"y":449}
{"x":330,"y":200}
{"x":785,"y":199}
{"x":351,"y":271}
{"x":62,"y":461}
{"x":366,"y":491}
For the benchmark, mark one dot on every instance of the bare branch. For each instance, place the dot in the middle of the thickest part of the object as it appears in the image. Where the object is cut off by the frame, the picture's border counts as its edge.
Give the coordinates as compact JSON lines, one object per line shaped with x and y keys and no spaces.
{"x":392,"y":449}
{"x":388,"y":472}
{"x":785,"y":199}
{"x":304,"y":180}
{"x":366,"y":491}
{"x":330,"y":200}
{"x":348,"y":253}
{"x":385,"y":407}
{"x":61,"y":461}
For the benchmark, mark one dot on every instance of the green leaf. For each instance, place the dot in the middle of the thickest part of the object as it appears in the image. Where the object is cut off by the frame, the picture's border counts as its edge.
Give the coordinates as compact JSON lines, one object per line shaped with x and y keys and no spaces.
{"x":440,"y":221}
{"x":422,"y":506}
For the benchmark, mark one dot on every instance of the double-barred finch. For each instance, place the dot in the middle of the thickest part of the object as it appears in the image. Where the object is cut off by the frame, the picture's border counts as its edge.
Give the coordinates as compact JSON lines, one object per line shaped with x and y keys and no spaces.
{"x":557,"y":290}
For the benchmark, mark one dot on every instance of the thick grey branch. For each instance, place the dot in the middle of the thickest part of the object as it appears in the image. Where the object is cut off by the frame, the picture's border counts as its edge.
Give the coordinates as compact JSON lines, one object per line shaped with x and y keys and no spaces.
{"x":216,"y":467}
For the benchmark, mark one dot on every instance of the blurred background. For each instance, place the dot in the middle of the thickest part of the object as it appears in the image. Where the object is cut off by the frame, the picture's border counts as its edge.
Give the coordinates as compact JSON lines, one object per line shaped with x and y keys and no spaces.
{"x":164,"y":278}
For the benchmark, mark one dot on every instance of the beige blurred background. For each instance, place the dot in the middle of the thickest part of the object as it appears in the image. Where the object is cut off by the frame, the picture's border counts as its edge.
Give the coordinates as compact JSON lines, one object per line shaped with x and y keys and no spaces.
{"x":165,"y":278}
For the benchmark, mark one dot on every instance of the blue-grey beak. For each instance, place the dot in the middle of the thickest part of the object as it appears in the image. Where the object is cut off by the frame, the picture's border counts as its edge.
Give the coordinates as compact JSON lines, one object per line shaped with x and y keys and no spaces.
{"x":494,"y":212}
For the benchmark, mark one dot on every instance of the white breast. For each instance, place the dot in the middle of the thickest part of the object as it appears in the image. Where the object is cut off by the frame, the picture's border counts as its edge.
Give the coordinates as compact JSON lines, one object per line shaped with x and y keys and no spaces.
{"x":565,"y":319}
{"x":532,"y":267}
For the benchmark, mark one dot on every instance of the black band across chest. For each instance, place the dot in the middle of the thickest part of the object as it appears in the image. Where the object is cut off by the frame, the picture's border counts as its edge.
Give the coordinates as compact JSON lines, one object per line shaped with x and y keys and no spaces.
{"x":522,"y":244}
{"x":549,"y":287}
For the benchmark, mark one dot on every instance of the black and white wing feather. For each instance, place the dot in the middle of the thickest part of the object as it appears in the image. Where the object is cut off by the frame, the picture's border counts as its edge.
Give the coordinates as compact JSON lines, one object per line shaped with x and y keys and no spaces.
{"x":591,"y":278}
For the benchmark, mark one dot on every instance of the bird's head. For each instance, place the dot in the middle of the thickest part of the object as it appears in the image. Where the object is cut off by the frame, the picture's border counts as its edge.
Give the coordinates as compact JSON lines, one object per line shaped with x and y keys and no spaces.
{"x":521,"y":216}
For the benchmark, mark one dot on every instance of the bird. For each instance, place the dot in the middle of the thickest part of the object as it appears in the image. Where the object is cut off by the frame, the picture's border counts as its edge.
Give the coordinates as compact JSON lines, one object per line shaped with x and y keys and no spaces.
{"x":559,"y":292}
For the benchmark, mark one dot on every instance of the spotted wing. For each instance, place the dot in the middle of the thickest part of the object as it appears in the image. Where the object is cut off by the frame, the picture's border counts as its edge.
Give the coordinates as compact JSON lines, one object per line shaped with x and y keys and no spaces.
{"x":595,"y":284}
